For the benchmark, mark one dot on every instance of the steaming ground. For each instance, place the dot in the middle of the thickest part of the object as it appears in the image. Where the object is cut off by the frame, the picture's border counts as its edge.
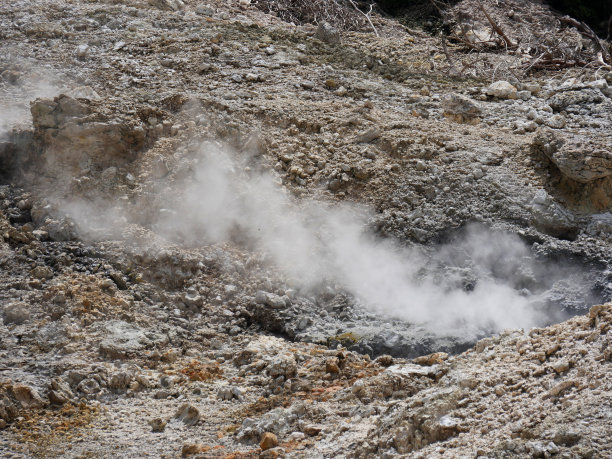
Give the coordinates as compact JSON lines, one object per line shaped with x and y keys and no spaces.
{"x":481,"y":282}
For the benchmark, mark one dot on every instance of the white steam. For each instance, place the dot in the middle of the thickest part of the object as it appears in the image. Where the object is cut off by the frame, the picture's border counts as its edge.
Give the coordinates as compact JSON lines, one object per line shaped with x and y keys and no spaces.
{"x":315,"y":242}
{"x":15,"y":98}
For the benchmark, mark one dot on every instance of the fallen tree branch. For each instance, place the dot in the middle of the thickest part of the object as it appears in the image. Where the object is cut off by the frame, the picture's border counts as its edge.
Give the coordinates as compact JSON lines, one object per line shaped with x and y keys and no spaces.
{"x":586,"y":31}
{"x":367,"y":16}
{"x":533,"y":63}
{"x":448,"y":57}
{"x":497,"y":28}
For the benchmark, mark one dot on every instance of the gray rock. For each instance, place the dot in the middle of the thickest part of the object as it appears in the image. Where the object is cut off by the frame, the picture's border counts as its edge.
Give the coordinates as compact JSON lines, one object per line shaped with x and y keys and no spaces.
{"x":89,"y":386}
{"x":229,"y":393}
{"x":461,"y":109}
{"x":120,"y":381}
{"x":168,"y":5}
{"x":282,"y":365}
{"x":72,"y":142}
{"x":555,"y":122}
{"x":187,"y":414}
{"x":327,"y":33}
{"x":42,"y":272}
{"x":368,"y":136}
{"x":579,"y":157}
{"x":272,"y":300}
{"x":82,"y":51}
{"x":551,"y":218}
{"x":16,"y":313}
{"x":564,"y":99}
{"x":225,"y":393}
{"x":109,"y":174}
{"x":124,"y":340}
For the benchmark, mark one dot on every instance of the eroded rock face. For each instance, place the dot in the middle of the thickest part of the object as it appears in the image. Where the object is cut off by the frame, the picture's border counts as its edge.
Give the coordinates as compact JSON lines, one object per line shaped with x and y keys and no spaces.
{"x":578,"y":157}
{"x":75,"y":137}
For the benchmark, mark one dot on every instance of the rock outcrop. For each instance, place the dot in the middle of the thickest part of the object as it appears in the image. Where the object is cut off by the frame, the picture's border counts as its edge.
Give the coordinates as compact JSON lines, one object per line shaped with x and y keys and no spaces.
{"x":578,"y":156}
{"x":74,"y":137}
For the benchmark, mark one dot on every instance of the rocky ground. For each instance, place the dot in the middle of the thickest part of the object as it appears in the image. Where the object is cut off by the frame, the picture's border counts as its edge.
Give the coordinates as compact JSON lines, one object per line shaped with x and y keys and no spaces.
{"x":183,"y":192}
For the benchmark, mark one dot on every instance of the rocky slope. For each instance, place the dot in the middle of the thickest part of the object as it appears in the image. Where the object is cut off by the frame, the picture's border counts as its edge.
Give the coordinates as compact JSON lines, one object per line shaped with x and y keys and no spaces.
{"x":185,"y":188}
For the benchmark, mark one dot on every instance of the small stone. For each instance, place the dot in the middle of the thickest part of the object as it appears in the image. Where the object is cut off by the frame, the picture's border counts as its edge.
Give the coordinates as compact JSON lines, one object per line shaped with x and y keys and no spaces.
{"x":523,"y":95}
{"x":431,"y":359}
{"x":237,"y":393}
{"x":118,"y":279}
{"x":561,"y":367}
{"x":82,"y":51}
{"x":27,"y":396}
{"x":57,"y":398}
{"x":187,"y":414}
{"x":190,"y":449}
{"x":159,"y":168}
{"x":120,"y":381}
{"x":560,"y":388}
{"x":599,"y":84}
{"x":158,"y":425}
{"x":312,"y":429}
{"x":42,"y":272}
{"x":502,"y":90}
{"x":334,"y":185}
{"x":533,"y":88}
{"x":225,"y":393}
{"x":384,"y":360}
{"x":331,"y":365}
{"x":369,"y":135}
{"x":566,"y":437}
{"x":16,"y":313}
{"x":555,"y":122}
{"x":109,"y":174}
{"x":268,"y":441}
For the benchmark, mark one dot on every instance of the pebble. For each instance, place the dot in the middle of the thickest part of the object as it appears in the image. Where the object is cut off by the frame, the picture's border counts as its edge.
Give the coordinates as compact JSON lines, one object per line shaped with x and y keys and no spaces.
{"x":268,"y":441}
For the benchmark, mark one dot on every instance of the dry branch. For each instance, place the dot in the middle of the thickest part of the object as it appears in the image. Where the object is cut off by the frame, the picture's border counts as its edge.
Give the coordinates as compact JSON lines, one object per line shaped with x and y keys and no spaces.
{"x":586,"y":31}
{"x":367,"y":16}
{"x":497,"y":28}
